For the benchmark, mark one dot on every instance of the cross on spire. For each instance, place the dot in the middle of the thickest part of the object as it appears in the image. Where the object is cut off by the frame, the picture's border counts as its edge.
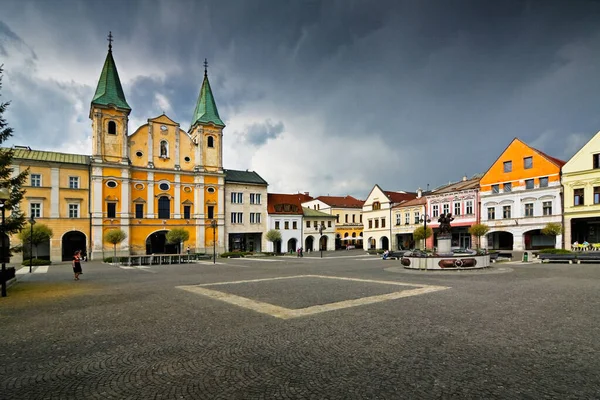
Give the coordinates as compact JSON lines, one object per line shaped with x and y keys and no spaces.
{"x":110,"y":40}
{"x":205,"y":67}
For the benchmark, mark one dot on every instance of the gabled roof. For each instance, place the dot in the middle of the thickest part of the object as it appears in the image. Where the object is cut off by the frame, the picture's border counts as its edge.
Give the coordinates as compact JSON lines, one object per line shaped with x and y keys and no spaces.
{"x":468,"y":184}
{"x":109,"y":90}
{"x":342,"y":202}
{"x":206,"y":109}
{"x":554,"y":160}
{"x":50,"y":156}
{"x":309,"y":212}
{"x":235,"y":176}
{"x":398,"y":197}
{"x":278,"y":203}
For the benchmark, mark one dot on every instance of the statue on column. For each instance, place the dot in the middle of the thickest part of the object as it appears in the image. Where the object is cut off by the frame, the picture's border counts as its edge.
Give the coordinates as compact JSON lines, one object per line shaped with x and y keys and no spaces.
{"x":444,"y":221}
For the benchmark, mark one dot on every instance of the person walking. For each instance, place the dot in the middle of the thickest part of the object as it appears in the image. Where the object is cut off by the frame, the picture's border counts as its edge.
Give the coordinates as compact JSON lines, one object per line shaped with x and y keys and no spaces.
{"x":77,"y":265}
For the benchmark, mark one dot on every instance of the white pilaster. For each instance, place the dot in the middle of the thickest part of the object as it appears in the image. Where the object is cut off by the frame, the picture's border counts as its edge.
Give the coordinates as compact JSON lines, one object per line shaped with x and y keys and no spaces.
{"x":177,"y":192}
{"x":125,"y":155}
{"x":150,"y":146}
{"x":150,"y":212}
{"x":54,"y":191}
{"x":177,"y":160}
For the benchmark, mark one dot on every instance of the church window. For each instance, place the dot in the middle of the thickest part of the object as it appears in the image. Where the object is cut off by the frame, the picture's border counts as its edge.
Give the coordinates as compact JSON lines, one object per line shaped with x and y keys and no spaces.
{"x":36,"y":180}
{"x":73,"y":182}
{"x":164,"y":186}
{"x":187,"y":212}
{"x":210,"y":190}
{"x":139,"y":211}
{"x":210,"y":212}
{"x":73,"y":210}
{"x":210,"y":141}
{"x":111,"y":184}
{"x":164,"y":207}
{"x":111,"y":210}
{"x":187,"y":159}
{"x":112,"y":128}
{"x":376,"y":205}
{"x":139,"y":153}
{"x":164,"y":149}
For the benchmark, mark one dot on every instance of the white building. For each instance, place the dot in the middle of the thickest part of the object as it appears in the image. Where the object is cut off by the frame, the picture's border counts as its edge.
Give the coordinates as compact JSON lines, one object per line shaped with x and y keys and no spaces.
{"x":377,"y":217}
{"x":315,"y":237}
{"x":245,"y":211}
{"x":285,"y":215}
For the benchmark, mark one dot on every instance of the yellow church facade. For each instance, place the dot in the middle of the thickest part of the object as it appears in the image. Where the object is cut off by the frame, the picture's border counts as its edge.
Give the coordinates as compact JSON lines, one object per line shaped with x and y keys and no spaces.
{"x":158,"y":178}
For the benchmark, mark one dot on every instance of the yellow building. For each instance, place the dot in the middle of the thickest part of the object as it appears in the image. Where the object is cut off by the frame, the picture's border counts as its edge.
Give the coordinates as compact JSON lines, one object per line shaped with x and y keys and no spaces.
{"x":57,"y":195}
{"x":581,"y":190}
{"x":146,"y":183}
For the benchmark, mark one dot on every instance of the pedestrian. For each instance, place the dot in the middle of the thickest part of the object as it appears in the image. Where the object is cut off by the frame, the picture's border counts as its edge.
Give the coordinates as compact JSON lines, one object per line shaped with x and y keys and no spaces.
{"x":77,"y":265}
{"x":301,"y":250}
{"x":188,"y":250}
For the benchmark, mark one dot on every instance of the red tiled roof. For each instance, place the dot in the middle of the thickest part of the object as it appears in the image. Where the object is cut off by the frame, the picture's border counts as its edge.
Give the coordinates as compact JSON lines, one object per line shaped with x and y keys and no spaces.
{"x":339,"y":201}
{"x":397,"y":197}
{"x":556,"y":161}
{"x":278,"y":203}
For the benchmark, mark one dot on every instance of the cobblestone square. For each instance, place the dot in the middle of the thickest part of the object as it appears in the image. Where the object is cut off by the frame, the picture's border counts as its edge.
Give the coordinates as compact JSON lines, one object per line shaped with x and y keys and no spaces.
{"x":514,"y":331}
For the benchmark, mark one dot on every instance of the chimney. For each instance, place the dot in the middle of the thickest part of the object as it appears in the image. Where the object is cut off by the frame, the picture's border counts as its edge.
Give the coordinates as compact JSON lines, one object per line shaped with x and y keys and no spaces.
{"x":419,"y":193}
{"x":307,"y":193}
{"x":464,"y":178}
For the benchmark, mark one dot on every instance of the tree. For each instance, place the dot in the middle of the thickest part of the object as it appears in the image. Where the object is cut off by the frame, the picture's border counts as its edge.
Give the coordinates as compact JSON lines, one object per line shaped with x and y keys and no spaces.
{"x":16,"y":220}
{"x":178,"y":236}
{"x":553,"y":229}
{"x":420,"y":233}
{"x":479,"y":230}
{"x":114,"y":236}
{"x":273,"y":236}
{"x":41,"y":234}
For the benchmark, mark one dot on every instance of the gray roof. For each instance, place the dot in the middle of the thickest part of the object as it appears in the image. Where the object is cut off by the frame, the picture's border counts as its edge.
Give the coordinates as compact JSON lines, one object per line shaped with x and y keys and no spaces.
{"x":233,"y":175}
{"x":21,"y":153}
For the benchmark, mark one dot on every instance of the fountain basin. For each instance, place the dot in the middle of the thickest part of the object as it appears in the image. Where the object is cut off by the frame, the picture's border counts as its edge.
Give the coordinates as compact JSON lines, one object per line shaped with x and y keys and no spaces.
{"x":446,"y":262}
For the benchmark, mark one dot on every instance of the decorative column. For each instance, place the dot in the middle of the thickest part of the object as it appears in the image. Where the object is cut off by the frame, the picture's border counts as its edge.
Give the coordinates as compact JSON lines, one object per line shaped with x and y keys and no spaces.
{"x":125,"y":150}
{"x":177,"y":160}
{"x":177,"y":197}
{"x":150,"y":195}
{"x":150,"y":147}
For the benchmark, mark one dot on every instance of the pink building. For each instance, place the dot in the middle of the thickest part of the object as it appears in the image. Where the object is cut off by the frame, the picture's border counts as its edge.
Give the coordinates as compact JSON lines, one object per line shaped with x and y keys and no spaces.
{"x":461,"y":199}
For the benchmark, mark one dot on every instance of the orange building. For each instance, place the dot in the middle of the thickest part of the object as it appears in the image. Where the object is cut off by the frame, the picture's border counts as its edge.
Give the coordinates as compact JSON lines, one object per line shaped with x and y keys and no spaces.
{"x":520,"y":193}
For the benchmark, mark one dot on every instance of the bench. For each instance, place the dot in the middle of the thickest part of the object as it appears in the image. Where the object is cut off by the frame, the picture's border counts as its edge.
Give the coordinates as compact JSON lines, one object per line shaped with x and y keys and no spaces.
{"x":558,"y":258}
{"x":588,"y":257}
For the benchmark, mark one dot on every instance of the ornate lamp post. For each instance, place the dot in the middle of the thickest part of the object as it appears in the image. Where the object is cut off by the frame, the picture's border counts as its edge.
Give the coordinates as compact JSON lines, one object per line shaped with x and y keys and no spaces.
{"x":31,"y":223}
{"x":4,"y":196}
{"x":213,"y":225}
{"x":424,"y":219}
{"x":321,"y":229}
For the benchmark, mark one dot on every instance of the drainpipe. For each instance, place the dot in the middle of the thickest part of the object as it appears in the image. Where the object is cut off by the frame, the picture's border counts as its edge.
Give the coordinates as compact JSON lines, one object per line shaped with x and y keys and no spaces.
{"x":390,"y":222}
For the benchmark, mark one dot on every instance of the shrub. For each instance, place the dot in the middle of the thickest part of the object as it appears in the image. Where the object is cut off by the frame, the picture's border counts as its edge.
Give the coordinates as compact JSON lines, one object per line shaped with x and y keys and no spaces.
{"x":112,"y":259}
{"x":235,"y":254}
{"x":36,"y":262}
{"x":554,"y":251}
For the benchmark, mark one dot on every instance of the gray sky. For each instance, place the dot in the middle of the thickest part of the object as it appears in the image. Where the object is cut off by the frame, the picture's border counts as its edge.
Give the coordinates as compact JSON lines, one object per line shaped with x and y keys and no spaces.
{"x":329,"y":97}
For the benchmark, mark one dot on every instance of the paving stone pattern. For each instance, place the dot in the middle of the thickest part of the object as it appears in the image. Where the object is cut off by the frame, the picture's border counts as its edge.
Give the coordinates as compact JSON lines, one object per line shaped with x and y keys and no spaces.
{"x":529,"y":333}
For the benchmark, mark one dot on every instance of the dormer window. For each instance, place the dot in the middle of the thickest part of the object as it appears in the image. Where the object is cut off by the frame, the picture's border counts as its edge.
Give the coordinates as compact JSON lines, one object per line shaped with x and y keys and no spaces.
{"x":210,"y":141}
{"x":164,"y":149}
{"x":376,"y":205}
{"x":112,"y":128}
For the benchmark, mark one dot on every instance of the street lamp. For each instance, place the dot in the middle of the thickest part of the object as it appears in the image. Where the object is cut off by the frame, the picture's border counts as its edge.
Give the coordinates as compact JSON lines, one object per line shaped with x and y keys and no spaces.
{"x":4,"y":196}
{"x":424,"y":219}
{"x":213,"y":225}
{"x":321,"y":229}
{"x":31,"y":223}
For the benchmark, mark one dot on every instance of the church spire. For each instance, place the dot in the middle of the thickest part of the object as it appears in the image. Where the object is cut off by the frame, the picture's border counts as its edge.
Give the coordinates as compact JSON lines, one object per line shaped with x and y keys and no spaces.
{"x":109,"y":90}
{"x":206,"y":109}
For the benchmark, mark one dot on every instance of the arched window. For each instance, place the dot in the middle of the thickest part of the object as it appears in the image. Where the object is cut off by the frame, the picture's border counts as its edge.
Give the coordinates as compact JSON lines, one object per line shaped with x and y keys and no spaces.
{"x":164,"y":207}
{"x":112,"y":128}
{"x":376,"y":205}
{"x":164,"y":149}
{"x":210,"y":141}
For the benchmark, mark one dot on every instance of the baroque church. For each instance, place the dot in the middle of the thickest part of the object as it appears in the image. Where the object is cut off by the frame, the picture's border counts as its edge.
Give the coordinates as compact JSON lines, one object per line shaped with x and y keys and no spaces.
{"x":158,"y":178}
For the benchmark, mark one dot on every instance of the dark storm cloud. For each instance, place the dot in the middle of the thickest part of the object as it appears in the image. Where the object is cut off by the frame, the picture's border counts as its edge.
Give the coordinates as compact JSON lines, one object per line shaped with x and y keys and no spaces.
{"x":258,"y":134}
{"x":400,"y":93}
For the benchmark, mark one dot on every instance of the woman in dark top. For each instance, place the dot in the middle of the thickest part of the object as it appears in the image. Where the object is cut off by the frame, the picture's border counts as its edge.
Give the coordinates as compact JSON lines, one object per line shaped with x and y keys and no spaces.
{"x":77,"y":265}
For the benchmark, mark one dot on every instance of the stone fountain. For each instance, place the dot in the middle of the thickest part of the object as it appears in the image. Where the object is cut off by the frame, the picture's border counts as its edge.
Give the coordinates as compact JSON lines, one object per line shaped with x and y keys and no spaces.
{"x":445,"y":258}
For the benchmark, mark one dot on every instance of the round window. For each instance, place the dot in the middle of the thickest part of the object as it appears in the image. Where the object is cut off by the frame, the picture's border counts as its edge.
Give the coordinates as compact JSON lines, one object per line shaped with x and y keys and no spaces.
{"x":210,"y":190}
{"x":187,"y":189}
{"x":139,"y":186}
{"x":139,"y":153}
{"x":187,"y":159}
{"x":163,"y":186}
{"x":111,"y":184}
